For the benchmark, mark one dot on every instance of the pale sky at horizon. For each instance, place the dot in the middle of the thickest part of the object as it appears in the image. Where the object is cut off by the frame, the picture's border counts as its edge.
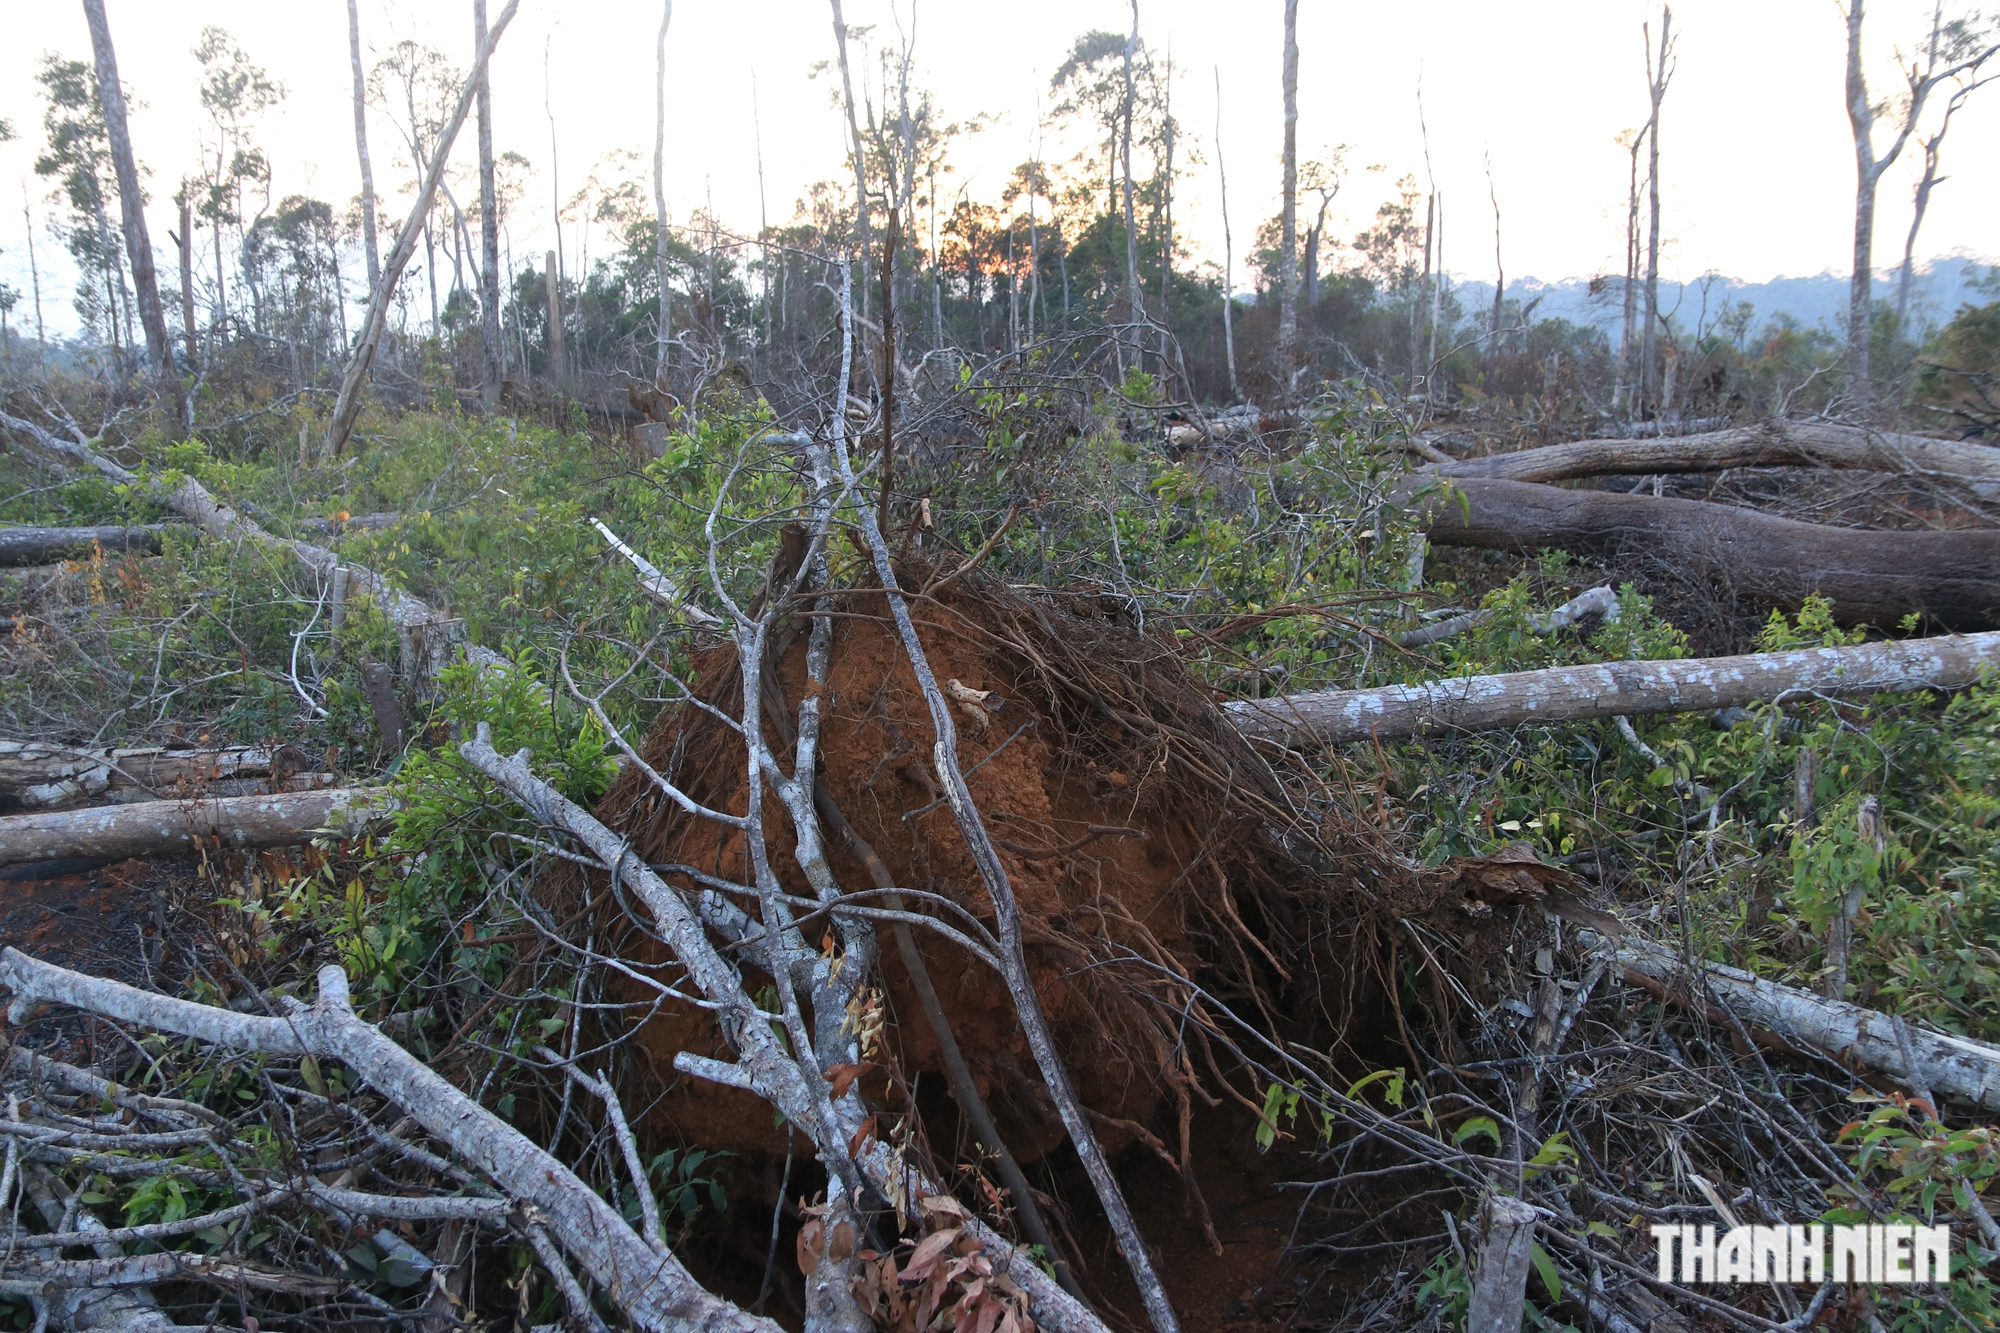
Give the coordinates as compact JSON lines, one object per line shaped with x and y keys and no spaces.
{"x":1758,"y":167}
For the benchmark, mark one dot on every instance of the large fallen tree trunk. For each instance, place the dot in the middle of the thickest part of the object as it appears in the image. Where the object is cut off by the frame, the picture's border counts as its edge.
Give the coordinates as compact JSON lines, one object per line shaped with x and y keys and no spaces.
{"x":1617,"y":689}
{"x":1767,"y":444}
{"x":1951,"y":578}
{"x":35,"y":774}
{"x":156,"y":828}
{"x":42,"y":546}
{"x":1950,"y":1066}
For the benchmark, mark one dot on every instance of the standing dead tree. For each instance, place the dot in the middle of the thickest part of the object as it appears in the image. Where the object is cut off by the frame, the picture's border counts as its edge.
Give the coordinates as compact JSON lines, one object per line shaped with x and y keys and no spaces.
{"x":1929,"y":181}
{"x":347,"y":406}
{"x":1952,"y":50}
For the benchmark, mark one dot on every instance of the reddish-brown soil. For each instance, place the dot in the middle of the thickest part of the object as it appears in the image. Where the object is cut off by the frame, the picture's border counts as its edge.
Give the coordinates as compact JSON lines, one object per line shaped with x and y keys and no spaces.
{"x":95,"y":917}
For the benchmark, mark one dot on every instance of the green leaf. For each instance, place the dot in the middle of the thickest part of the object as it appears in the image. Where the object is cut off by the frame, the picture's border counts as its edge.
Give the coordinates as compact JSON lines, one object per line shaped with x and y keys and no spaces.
{"x":1551,"y":1280}
{"x":1474,"y":1128}
{"x":1391,"y":1093}
{"x":1267,"y":1123}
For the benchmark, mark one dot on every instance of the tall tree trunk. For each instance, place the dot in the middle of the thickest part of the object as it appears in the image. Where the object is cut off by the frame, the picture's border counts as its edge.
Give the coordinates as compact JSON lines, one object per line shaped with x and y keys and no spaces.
{"x":347,"y":406}
{"x":1499,"y":268}
{"x":1657,"y":76}
{"x":361,"y":147}
{"x":131,"y":202}
{"x":1228,"y":252}
{"x":1034,"y":241}
{"x":1288,"y":257}
{"x":495,"y":361}
{"x":34,"y":277}
{"x":1621,"y":395}
{"x":1930,"y":180}
{"x":763,"y":222}
{"x":660,"y":189}
{"x":1860,"y":295}
{"x":1167,"y":212}
{"x":184,"y":242}
{"x":1434,"y":288}
{"x":1420,"y":299}
{"x":1135,"y":299}
{"x":557,"y":369}
{"x":860,"y":152}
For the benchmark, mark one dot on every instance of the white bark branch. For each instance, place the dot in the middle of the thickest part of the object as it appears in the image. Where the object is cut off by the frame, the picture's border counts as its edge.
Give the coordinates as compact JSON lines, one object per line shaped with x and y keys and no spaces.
{"x":654,"y":1290}
{"x":1949,"y":1066}
{"x":1767,"y":444}
{"x":1611,"y":689}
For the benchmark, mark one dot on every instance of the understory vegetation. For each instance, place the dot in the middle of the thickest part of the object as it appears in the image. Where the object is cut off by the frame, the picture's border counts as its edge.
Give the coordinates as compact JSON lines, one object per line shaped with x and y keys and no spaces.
{"x":1275,"y":568}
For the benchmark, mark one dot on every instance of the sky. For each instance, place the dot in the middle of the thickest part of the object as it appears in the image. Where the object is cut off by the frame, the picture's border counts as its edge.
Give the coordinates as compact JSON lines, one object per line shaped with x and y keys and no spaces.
{"x":1757,"y":163}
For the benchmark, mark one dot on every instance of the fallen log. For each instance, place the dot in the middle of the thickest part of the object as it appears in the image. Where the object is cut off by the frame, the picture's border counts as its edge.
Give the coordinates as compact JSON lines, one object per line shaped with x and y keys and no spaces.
{"x":428,"y":641}
{"x":169,"y":828}
{"x":42,"y":546}
{"x":38,"y":775}
{"x":1951,"y":578}
{"x":1767,"y":444}
{"x":1949,"y":1066}
{"x":1616,"y":689}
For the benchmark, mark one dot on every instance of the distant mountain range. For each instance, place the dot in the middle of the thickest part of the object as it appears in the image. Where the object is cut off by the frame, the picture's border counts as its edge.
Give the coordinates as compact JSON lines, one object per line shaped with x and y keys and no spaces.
{"x":1937,"y":290}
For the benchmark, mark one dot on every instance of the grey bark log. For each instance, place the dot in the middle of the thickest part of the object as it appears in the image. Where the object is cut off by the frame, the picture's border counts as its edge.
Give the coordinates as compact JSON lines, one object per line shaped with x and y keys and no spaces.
{"x":34,"y":773}
{"x":1950,"y":1066}
{"x":1951,"y":578}
{"x":347,"y":406}
{"x":1500,"y":1287}
{"x":169,"y":828}
{"x":1600,"y":601}
{"x":41,"y":546}
{"x":653,"y":1289}
{"x":1767,"y":444}
{"x":1612,"y":689}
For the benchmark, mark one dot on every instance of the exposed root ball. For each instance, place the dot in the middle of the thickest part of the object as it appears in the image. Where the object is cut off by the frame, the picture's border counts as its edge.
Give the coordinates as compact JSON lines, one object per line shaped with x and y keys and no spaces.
{"x":1162,"y":867}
